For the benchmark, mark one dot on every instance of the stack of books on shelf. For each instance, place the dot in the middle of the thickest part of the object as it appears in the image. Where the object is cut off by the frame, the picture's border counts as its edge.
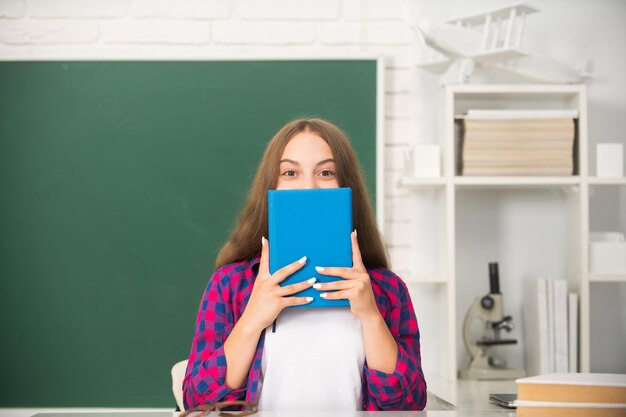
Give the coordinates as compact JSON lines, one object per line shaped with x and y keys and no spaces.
{"x":518,"y":142}
{"x":572,"y":395}
{"x":551,"y":327}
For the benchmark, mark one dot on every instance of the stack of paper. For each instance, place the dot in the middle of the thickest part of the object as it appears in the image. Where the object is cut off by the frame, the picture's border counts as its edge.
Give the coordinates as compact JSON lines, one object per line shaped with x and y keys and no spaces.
{"x":551,"y":327}
{"x":501,"y":142}
{"x":571,"y":395}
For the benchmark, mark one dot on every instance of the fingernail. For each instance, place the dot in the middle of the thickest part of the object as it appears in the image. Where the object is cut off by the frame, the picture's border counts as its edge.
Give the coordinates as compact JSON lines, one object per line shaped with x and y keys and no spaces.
{"x":319,"y":268}
{"x":263,"y":240}
{"x":323,"y":295}
{"x":354,"y":232}
{"x":302,"y":260}
{"x":312,"y":280}
{"x":317,"y":286}
{"x":309,"y":299}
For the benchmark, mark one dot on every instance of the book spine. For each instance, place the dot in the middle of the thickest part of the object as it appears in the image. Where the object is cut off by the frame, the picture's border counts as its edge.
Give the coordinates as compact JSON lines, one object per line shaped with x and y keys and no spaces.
{"x":536,"y":327}
{"x":572,"y":306}
{"x":560,"y":326}
{"x":542,"y":312}
{"x":271,"y":227}
{"x":551,"y":337}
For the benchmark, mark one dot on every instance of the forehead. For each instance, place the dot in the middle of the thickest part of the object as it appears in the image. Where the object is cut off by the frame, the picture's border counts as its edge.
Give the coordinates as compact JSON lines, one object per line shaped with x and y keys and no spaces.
{"x":307,"y":144}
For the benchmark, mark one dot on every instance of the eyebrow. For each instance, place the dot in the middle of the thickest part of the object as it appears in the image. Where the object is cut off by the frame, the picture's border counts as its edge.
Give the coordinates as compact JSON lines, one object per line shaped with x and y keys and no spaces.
{"x":298,"y":163}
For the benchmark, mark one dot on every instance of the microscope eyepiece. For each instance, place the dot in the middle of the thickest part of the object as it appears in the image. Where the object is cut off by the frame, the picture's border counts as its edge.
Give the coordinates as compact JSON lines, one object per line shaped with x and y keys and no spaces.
{"x":494,"y":278}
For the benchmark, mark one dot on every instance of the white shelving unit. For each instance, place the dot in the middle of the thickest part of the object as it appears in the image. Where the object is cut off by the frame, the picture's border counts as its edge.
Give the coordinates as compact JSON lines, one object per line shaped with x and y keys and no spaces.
{"x":439,"y":227}
{"x":607,"y":212}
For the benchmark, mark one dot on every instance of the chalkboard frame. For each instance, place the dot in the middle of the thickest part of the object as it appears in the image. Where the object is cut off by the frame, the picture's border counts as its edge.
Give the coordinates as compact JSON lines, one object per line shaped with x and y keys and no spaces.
{"x":16,"y":392}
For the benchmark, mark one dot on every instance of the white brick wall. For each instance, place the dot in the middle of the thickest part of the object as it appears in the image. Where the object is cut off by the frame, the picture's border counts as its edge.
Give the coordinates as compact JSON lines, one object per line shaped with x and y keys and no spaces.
{"x":264,"y":33}
{"x":12,"y":8}
{"x":340,"y":33}
{"x":50,"y":9}
{"x":288,"y":9}
{"x":20,"y":32}
{"x":155,"y":31}
{"x":373,"y":9}
{"x":386,"y":33}
{"x":201,"y":29}
{"x":181,"y":9}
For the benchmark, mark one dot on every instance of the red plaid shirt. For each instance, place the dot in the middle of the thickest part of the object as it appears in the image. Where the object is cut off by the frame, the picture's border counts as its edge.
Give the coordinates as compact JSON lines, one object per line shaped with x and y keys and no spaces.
{"x":224,"y":301}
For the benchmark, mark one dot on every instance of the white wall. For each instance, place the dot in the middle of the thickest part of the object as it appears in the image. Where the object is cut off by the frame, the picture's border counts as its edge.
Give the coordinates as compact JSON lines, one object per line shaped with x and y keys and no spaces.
{"x":570,"y":30}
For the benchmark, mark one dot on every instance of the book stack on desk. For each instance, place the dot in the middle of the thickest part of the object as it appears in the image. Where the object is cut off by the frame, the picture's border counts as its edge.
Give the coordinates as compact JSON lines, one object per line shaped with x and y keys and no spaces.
{"x":518,"y":142}
{"x":572,"y":395}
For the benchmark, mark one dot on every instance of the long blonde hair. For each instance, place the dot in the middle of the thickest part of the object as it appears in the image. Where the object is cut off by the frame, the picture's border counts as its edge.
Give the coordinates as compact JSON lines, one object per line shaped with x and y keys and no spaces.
{"x":244,"y":241}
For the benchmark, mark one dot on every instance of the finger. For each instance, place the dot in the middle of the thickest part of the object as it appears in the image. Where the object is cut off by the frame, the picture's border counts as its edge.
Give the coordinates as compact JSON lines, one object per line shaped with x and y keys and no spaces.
{"x":294,"y":288}
{"x":357,"y":261}
{"x":347,"y":273}
{"x":280,"y":275}
{"x":337,"y":295}
{"x":335,"y":285}
{"x":296,"y":301}
{"x":264,"y":266}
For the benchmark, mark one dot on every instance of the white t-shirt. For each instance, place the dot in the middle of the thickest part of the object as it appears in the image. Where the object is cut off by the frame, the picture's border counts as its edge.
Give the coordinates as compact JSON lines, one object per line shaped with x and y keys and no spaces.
{"x":314,"y":361}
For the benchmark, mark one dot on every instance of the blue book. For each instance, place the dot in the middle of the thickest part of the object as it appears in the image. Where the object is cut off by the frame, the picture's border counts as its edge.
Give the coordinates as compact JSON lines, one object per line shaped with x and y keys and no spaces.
{"x":315,"y":223}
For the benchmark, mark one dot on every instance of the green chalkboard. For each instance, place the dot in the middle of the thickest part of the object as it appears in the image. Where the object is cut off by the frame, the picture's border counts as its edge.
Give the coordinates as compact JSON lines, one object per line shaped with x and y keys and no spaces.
{"x":119,"y":181}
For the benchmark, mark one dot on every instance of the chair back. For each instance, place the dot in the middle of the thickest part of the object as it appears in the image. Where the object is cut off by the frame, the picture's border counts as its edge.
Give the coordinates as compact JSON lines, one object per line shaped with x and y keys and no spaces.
{"x":178,"y":374}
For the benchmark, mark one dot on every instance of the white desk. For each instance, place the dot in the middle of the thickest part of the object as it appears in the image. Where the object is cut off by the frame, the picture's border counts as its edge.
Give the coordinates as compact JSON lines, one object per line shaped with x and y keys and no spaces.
{"x":453,"y":413}
{"x":460,"y":398}
{"x":450,"y":413}
{"x":468,"y":395}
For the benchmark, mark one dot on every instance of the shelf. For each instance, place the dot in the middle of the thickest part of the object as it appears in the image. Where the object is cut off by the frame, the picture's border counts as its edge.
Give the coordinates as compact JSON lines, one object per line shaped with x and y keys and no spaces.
{"x":458,"y":232}
{"x":607,"y":180}
{"x":518,"y":182}
{"x":541,"y":89}
{"x":481,"y":117}
{"x":499,"y":182}
{"x":607,"y":277}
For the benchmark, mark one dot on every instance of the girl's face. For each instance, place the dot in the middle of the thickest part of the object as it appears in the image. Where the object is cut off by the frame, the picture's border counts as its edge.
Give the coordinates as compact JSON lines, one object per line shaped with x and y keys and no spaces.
{"x":307,"y":162}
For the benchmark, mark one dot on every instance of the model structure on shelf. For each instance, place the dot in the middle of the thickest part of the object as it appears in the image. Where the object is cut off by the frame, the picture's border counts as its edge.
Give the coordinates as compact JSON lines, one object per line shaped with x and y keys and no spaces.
{"x":490,"y":38}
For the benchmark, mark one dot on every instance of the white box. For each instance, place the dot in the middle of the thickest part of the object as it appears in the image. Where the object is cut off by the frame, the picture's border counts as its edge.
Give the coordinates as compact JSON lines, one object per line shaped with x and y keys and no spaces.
{"x":607,"y":253}
{"x":426,"y":161}
{"x":610,"y":160}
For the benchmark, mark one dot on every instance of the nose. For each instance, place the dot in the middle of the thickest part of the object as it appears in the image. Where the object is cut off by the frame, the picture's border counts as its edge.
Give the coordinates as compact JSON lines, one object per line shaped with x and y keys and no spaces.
{"x":309,"y":182}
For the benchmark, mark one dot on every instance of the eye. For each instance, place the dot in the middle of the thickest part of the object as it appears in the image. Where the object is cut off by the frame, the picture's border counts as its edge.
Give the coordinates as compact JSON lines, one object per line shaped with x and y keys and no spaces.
{"x":289,"y":173}
{"x":327,"y":173}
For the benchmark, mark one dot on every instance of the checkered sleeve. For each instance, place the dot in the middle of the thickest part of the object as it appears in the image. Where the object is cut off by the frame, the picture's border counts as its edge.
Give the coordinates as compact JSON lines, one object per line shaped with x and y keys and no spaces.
{"x":405,"y":388}
{"x":205,"y":378}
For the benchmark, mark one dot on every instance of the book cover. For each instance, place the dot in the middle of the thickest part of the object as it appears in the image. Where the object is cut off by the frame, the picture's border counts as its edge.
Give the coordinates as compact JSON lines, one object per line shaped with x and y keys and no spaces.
{"x":576,"y":379}
{"x":315,"y":223}
{"x":581,"y":388}
{"x":568,"y":409}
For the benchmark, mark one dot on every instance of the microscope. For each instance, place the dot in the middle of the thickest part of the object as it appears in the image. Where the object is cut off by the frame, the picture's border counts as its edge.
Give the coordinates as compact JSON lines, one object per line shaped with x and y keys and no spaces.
{"x":488,"y":308}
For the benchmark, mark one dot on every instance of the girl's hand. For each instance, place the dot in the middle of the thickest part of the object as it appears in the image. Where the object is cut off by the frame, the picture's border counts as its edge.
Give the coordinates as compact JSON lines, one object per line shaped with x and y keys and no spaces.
{"x":268,"y":298}
{"x":356,"y":287}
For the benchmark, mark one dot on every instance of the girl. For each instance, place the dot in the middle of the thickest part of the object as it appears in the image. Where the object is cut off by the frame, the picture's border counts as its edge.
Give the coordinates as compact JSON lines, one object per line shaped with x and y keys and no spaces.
{"x":363,"y":358}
